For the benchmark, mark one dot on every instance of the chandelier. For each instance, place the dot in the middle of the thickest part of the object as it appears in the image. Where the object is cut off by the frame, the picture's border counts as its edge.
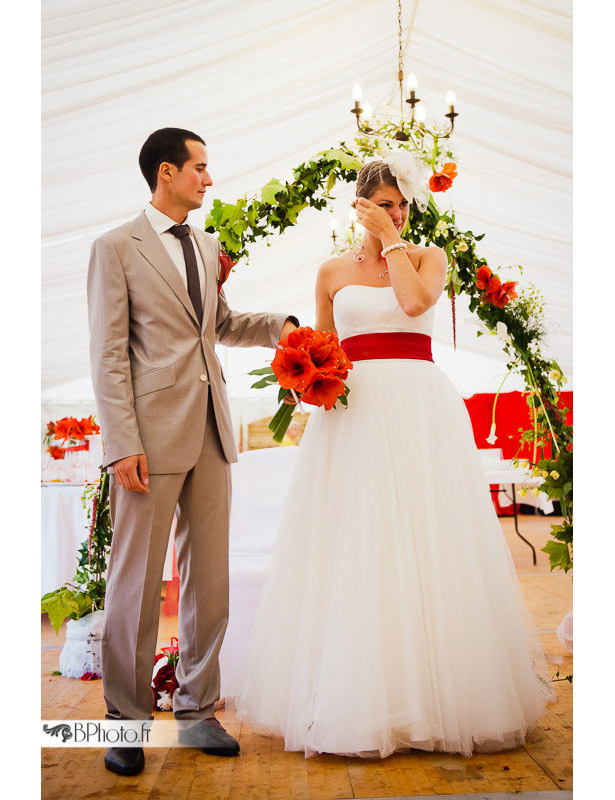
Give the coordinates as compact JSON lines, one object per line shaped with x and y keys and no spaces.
{"x":413,"y":128}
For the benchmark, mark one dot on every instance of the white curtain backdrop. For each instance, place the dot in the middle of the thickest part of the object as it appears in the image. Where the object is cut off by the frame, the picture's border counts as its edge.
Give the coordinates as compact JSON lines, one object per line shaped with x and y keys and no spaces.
{"x":267,"y":83}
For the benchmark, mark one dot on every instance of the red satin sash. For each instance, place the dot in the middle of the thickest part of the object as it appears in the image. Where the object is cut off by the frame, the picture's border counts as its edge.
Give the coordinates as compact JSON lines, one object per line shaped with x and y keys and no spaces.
{"x":393,"y":344}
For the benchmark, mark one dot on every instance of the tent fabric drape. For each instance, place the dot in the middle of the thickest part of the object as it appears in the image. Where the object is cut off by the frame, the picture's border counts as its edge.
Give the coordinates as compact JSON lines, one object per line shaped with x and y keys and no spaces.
{"x":267,"y":84}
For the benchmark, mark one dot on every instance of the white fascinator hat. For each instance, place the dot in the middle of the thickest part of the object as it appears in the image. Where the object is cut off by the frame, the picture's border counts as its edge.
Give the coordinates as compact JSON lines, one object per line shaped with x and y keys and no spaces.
{"x":412,"y":175}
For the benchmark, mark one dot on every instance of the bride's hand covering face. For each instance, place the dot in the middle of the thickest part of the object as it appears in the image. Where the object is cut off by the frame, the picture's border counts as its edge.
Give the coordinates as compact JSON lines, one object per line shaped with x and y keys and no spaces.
{"x":384,"y":214}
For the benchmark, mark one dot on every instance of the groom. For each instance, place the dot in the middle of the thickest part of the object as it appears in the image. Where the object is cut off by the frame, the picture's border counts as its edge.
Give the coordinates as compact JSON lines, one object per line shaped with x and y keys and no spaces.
{"x":155,"y":313}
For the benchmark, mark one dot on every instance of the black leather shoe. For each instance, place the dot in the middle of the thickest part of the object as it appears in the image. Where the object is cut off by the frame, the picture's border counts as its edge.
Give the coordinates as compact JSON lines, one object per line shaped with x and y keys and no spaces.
{"x":125,"y":760}
{"x":211,"y":737}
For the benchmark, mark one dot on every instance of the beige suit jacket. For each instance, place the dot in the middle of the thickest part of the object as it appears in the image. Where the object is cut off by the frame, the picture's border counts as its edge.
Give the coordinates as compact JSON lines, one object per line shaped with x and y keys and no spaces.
{"x":152,"y":365}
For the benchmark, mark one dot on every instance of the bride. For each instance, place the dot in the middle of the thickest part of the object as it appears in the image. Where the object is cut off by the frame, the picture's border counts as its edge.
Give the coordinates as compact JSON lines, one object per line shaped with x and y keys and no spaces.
{"x":392,"y":616}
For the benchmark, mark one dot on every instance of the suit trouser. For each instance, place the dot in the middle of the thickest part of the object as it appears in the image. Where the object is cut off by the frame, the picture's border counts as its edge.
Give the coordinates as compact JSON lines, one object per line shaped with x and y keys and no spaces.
{"x":141,"y":527}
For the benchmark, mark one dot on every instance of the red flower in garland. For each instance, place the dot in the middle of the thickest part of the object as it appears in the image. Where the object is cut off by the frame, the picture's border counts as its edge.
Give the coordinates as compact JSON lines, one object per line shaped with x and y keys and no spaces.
{"x":441,"y":181}
{"x":500,"y":294}
{"x":482,"y":277}
{"x":226,"y":265}
{"x":494,"y":291}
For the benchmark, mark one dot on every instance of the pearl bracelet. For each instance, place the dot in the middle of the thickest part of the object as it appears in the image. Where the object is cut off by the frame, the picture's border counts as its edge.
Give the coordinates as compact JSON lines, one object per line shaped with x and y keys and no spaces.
{"x":398,"y":246}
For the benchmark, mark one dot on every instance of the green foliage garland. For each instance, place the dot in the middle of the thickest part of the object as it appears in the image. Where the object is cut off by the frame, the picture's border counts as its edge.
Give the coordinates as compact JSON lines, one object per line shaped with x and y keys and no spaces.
{"x":519,"y":323}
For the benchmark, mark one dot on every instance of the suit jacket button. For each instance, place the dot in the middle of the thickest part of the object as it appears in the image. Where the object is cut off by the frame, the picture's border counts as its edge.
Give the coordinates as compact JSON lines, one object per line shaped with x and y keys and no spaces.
{"x":203,"y":378}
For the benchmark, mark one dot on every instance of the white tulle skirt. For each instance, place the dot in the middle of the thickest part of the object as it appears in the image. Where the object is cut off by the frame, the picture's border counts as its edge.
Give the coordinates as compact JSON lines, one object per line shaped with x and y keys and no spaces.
{"x":392,"y":616}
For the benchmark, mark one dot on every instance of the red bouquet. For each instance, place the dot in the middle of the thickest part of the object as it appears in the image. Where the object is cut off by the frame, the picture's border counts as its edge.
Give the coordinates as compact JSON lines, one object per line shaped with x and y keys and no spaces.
{"x":310,"y":366}
{"x":164,"y":682}
{"x":71,"y":430}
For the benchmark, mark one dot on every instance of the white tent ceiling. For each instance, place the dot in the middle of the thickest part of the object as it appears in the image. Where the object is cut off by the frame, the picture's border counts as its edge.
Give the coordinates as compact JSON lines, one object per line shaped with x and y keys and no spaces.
{"x":267,"y":84}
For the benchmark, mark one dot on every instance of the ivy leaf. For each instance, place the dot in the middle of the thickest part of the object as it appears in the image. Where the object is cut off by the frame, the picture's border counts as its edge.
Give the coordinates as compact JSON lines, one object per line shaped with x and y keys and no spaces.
{"x":239,"y":226}
{"x":58,"y":605}
{"x":330,"y":183}
{"x":559,"y":555}
{"x":347,"y":161}
{"x":269,"y":190}
{"x":293,"y":212}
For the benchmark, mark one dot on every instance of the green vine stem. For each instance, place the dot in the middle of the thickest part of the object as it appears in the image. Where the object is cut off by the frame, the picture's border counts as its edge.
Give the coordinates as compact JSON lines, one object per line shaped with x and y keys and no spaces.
{"x":86,"y":593}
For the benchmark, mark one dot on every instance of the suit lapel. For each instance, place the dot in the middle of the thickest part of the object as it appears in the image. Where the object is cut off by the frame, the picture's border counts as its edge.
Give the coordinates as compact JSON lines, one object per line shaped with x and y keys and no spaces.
{"x":152,"y":249}
{"x":211,"y":275}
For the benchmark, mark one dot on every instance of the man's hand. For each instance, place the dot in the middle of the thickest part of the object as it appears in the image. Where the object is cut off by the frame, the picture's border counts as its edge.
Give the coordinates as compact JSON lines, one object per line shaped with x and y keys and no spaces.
{"x":287,"y":328}
{"x":131,"y":473}
{"x":290,"y":400}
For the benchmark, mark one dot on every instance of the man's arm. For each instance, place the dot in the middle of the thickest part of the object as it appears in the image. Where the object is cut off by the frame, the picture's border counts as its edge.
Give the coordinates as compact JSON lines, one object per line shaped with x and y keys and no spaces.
{"x":247,"y":330}
{"x":108,"y":312}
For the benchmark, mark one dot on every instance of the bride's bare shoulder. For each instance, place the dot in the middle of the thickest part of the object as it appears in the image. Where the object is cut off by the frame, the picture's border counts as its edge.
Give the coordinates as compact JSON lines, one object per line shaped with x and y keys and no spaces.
{"x":432,"y":254}
{"x":331,"y":268}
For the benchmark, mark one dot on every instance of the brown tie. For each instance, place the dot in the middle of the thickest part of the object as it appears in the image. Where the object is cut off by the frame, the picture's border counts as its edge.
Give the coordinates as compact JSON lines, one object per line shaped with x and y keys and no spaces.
{"x":192,"y":272}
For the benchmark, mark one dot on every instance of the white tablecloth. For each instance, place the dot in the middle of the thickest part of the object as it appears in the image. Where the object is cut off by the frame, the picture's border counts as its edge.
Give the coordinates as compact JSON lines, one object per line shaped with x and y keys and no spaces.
{"x":64,"y":525}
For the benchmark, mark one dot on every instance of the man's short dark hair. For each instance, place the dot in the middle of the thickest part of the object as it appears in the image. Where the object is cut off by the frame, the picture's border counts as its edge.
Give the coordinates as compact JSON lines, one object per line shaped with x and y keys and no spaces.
{"x":166,"y":144}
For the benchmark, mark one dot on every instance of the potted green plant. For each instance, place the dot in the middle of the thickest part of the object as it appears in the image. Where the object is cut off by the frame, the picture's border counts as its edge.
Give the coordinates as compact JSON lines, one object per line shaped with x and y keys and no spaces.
{"x":83,"y":599}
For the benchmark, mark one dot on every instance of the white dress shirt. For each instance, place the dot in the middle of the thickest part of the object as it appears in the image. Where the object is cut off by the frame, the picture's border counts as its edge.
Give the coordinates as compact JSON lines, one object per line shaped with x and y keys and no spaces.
{"x":161,"y":224}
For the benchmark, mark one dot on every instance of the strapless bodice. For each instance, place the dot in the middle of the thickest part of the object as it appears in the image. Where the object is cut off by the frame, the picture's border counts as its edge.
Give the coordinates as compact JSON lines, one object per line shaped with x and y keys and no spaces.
{"x":374,"y":309}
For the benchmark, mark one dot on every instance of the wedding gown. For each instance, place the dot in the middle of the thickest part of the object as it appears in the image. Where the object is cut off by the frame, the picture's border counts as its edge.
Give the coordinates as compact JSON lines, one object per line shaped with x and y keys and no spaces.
{"x":392,"y":616}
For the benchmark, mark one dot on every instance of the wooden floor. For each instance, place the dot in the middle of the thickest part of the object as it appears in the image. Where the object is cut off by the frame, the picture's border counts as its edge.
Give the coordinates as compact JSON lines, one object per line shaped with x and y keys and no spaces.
{"x":264,"y":771}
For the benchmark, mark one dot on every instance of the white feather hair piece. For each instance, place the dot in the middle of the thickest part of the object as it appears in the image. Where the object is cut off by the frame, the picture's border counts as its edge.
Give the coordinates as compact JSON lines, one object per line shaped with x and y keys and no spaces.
{"x":412,"y":175}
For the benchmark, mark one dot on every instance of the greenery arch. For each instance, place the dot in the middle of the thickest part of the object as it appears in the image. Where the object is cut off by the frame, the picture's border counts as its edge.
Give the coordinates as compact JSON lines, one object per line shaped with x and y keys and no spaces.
{"x":518,"y":321}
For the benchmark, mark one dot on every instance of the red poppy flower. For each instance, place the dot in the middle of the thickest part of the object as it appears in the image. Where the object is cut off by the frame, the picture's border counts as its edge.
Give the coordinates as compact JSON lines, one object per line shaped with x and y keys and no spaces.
{"x":299,"y":337}
{"x":89,"y":427}
{"x":68,"y":428}
{"x":226,"y":265}
{"x":441,"y":181}
{"x":293,"y":368}
{"x":500,"y":293}
{"x":510,"y":287}
{"x":324,"y":391}
{"x":56,"y":452}
{"x":482,"y":277}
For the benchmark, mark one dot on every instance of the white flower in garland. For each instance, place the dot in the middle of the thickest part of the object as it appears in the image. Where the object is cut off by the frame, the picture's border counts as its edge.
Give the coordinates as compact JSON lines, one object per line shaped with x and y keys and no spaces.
{"x":441,"y":228}
{"x":492,"y":437}
{"x":462,"y":247}
{"x":502,"y":333}
{"x":164,"y":702}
